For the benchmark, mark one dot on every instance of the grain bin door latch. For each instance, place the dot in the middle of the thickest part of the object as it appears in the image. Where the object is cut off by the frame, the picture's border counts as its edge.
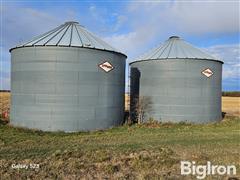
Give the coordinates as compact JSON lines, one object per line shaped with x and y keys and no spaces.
{"x":106,"y":66}
{"x":207,"y":72}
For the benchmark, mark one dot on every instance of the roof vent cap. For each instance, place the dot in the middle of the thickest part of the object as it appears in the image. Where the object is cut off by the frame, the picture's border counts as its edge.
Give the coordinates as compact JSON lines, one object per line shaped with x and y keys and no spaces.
{"x":71,"y":22}
{"x":174,"y":37}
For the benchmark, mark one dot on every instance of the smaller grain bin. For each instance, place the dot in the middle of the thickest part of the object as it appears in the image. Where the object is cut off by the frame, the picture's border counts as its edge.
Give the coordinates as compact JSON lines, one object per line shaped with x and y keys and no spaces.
{"x":67,"y":80}
{"x":176,"y":82}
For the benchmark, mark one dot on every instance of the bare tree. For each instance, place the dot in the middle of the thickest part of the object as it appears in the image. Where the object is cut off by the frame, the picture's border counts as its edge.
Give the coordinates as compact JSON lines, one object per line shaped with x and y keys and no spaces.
{"x":142,"y":108}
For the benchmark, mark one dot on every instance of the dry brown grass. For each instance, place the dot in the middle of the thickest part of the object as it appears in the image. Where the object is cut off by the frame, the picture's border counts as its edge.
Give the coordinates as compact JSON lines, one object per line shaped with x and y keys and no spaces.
{"x":231,"y":105}
{"x":4,"y":102}
{"x":127,"y":102}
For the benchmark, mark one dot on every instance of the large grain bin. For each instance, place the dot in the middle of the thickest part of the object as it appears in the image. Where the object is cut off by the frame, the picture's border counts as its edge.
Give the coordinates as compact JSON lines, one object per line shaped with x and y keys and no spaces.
{"x":176,"y":82}
{"x":67,"y":80}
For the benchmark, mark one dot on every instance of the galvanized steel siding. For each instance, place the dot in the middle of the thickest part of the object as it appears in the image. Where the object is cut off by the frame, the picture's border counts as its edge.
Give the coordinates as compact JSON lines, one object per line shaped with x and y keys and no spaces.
{"x":62,"y":88}
{"x":178,"y":90}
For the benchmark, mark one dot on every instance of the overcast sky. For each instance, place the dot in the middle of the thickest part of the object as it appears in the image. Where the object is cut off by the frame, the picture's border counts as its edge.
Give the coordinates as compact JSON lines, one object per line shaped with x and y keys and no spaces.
{"x":132,"y":27}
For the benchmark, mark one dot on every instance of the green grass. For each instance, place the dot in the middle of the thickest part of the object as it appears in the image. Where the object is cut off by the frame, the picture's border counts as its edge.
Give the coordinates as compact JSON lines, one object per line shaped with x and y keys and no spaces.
{"x":128,"y":152}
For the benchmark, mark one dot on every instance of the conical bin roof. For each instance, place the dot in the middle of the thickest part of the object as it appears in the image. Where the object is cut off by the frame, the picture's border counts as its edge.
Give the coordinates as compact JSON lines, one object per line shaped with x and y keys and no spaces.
{"x":70,"y":34}
{"x":175,"y":48}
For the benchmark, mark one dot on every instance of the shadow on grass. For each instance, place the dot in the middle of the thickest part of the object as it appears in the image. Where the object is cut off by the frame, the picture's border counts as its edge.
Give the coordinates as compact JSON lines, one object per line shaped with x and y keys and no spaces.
{"x":3,"y":122}
{"x":223,"y":114}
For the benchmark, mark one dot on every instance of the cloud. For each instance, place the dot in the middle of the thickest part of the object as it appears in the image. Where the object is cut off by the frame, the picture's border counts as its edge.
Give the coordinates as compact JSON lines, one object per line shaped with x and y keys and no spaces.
{"x":96,"y":14}
{"x":229,"y":53}
{"x":21,"y":23}
{"x":124,"y":42}
{"x":121,"y":19}
{"x":106,"y":20}
{"x":5,"y":83}
{"x":188,"y":16}
{"x":206,"y":17}
{"x":4,"y":75}
{"x":133,"y":28}
{"x":152,"y":23}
